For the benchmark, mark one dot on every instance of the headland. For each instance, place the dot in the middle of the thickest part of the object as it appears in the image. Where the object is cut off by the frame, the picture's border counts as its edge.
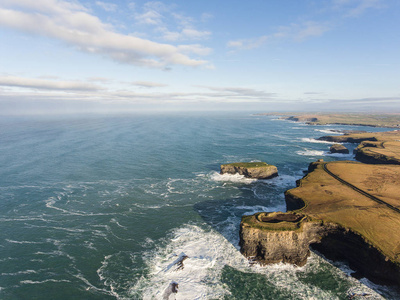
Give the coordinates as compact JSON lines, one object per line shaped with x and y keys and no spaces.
{"x":347,"y":210}
{"x":363,"y":119}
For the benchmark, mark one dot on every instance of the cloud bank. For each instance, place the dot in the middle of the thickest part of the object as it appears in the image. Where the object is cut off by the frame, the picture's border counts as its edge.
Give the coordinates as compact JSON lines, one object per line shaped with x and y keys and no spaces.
{"x":72,"y":24}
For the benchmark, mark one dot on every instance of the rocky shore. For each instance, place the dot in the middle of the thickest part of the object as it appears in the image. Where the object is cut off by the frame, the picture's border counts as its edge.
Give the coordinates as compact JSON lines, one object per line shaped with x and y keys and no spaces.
{"x":346,"y":210}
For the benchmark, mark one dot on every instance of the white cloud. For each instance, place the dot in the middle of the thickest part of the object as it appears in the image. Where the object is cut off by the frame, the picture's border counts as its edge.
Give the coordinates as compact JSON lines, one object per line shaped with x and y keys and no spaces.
{"x":148,"y":84}
{"x":354,"y":8}
{"x":162,"y":17}
{"x":107,"y":6}
{"x":195,"y":48}
{"x":43,"y":84}
{"x":70,"y":23}
{"x":296,"y":32}
{"x":302,"y":31}
{"x":247,"y":44}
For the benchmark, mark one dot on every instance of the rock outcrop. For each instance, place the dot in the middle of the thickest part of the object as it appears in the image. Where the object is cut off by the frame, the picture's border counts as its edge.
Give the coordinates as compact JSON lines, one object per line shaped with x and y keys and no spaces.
{"x":278,"y":237}
{"x":339,"y":148}
{"x":257,"y":170}
{"x":378,"y":152}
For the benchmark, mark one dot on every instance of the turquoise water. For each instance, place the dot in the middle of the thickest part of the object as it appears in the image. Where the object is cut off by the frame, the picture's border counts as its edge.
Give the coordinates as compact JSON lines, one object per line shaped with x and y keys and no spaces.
{"x":101,"y":207}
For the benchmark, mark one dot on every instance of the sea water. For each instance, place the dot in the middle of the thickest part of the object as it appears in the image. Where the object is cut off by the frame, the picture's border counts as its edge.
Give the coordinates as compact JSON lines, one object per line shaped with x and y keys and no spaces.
{"x":106,"y":207}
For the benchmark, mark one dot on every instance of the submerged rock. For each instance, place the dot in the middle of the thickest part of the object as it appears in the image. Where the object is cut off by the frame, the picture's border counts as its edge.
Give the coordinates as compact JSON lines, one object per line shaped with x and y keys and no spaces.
{"x":338,"y":148}
{"x":257,"y":170}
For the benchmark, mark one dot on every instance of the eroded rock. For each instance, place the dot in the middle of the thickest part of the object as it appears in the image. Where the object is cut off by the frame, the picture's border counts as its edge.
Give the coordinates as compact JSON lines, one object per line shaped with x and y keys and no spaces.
{"x":338,"y":148}
{"x":257,"y":170}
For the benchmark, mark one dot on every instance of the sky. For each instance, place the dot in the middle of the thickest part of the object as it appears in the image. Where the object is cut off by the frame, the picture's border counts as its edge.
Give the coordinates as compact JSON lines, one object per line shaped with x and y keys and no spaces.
{"x":85,"y":56}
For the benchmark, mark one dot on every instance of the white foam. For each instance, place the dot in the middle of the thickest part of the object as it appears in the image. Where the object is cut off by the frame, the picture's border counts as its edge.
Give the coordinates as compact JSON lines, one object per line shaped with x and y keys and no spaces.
{"x":281,"y":180}
{"x":250,"y":210}
{"x":329,"y":131}
{"x":43,"y":281}
{"x":340,"y":155}
{"x":236,"y":178}
{"x":311,"y":153}
{"x":311,"y":140}
{"x":208,"y":252}
{"x":19,"y":273}
{"x":198,"y":279}
{"x":22,"y":242}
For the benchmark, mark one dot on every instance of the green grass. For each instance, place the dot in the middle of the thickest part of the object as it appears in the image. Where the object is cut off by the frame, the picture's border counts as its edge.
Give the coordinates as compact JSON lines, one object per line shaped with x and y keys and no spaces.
{"x":248,"y":164}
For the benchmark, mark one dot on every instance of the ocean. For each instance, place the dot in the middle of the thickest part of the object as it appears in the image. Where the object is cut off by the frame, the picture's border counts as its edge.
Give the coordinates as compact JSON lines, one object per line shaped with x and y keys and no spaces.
{"x":106,"y":207}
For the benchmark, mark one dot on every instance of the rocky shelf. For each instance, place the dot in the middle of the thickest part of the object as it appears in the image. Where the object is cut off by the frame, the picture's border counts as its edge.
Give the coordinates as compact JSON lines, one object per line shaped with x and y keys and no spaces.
{"x":347,"y":210}
{"x":257,"y":170}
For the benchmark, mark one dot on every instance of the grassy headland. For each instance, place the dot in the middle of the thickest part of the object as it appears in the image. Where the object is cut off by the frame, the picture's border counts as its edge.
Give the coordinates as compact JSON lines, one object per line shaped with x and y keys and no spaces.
{"x":364,"y":119}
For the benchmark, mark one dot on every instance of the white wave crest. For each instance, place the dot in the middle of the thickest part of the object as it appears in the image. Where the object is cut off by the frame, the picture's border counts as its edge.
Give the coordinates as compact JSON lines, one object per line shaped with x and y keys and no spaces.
{"x":311,"y":153}
{"x":311,"y":140}
{"x":329,"y":131}
{"x":236,"y":178}
{"x":194,"y":259}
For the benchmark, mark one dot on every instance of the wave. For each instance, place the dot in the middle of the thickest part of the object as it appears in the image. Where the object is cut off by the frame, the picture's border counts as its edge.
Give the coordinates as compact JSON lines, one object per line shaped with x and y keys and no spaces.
{"x":236,"y":178}
{"x":311,"y":153}
{"x":312,"y":140}
{"x":43,"y":281}
{"x":324,"y":153}
{"x":194,"y":259}
{"x":329,"y":131}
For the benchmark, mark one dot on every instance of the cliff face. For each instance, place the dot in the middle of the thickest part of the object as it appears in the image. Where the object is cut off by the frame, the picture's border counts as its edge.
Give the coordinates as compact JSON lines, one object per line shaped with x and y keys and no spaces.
{"x":339,"y":148}
{"x":378,"y":152}
{"x":266,"y":245}
{"x":335,"y":210}
{"x":251,"y":170}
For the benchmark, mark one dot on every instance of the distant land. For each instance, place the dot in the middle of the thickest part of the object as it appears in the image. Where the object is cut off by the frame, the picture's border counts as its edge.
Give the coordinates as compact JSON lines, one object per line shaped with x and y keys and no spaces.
{"x":363,"y":119}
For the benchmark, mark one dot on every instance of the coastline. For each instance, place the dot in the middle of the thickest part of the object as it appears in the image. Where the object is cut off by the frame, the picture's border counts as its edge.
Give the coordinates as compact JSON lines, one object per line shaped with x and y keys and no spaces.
{"x":353,"y":210}
{"x":355,"y":119}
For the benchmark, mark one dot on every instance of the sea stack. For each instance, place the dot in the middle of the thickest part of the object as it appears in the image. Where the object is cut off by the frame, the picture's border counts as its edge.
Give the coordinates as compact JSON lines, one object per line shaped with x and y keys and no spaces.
{"x":278,"y":237}
{"x":338,"y":148}
{"x":257,"y":170}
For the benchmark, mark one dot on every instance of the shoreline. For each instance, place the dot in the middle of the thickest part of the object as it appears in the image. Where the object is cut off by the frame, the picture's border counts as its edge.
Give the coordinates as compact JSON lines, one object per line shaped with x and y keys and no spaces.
{"x":352,"y":119}
{"x":355,"y":209}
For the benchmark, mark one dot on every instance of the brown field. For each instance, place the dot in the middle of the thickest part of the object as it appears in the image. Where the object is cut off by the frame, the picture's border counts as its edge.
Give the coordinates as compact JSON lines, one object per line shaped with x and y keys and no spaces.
{"x":330,"y":200}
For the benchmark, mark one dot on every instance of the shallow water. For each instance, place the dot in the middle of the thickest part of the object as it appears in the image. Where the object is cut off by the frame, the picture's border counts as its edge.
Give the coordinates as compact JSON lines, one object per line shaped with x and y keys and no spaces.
{"x":101,"y":207}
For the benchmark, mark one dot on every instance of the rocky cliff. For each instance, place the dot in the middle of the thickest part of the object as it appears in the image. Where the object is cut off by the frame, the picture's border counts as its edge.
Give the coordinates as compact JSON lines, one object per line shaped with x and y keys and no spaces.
{"x":344,"y":210}
{"x":278,"y":237}
{"x":339,"y":148}
{"x":257,"y":170}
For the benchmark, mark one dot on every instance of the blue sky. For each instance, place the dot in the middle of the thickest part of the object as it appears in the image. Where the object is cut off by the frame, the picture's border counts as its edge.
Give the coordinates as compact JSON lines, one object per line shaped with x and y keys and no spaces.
{"x":257,"y":55}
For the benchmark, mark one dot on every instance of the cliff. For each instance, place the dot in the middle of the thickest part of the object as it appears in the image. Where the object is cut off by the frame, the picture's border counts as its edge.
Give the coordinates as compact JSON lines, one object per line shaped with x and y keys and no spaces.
{"x":278,"y":237}
{"x":257,"y":170}
{"x":350,"y":211}
{"x":339,"y":148}
{"x":374,"y":148}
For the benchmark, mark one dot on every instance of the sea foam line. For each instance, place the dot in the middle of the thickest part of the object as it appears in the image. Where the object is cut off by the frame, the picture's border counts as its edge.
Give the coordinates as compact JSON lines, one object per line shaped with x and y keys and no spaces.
{"x":207,"y":253}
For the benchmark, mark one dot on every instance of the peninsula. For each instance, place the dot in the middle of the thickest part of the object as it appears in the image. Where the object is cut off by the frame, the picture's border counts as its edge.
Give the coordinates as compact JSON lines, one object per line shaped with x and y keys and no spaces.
{"x":347,"y":210}
{"x":363,"y":119}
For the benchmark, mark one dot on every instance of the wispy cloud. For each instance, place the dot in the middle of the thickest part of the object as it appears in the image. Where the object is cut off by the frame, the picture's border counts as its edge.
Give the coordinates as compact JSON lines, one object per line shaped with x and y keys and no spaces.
{"x":107,"y":6}
{"x":296,"y":32}
{"x":74,"y":25}
{"x":163,"y":17}
{"x":43,"y":84}
{"x":247,"y":44}
{"x":148,"y":84}
{"x":355,"y":8}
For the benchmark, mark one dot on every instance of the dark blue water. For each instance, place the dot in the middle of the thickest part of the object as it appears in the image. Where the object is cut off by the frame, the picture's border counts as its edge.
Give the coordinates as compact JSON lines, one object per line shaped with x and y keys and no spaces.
{"x":100,"y":207}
